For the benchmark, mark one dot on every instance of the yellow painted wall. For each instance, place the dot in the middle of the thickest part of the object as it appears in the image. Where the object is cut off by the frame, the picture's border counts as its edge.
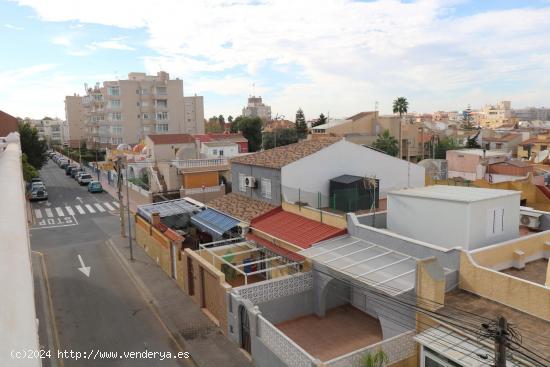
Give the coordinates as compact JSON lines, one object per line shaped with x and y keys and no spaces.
{"x":197,"y":179}
{"x":335,"y":220}
{"x":525,"y":296}
{"x":155,"y":244}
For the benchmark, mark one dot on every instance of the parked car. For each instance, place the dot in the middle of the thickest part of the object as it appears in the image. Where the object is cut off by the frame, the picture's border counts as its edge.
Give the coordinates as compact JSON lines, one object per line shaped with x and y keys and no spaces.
{"x":95,"y":186}
{"x":38,"y":192}
{"x":69,"y":168}
{"x":75,"y":172}
{"x":85,"y":179}
{"x":78,"y":174}
{"x":64,"y":164}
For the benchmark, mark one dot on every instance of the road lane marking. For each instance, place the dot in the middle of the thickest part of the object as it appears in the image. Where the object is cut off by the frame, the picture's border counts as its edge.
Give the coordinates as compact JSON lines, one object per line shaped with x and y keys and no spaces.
{"x":59,"y":212}
{"x":116,"y":204}
{"x":37,"y":213}
{"x":89,"y":207}
{"x":69,"y":210}
{"x":108,"y":206}
{"x":80,"y":210}
{"x":99,"y":207}
{"x":49,"y":212}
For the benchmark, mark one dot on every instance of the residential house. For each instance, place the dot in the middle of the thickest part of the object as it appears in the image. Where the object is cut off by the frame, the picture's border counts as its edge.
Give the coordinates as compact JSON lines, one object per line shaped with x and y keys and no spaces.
{"x":471,"y":164}
{"x":271,"y":125}
{"x":301,"y":172}
{"x":533,"y":146}
{"x":506,"y":142}
{"x":226,"y":145}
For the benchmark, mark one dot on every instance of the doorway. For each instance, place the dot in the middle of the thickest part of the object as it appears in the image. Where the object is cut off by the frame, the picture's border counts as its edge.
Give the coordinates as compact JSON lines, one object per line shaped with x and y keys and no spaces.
{"x":190,"y":277}
{"x":245,"y":329}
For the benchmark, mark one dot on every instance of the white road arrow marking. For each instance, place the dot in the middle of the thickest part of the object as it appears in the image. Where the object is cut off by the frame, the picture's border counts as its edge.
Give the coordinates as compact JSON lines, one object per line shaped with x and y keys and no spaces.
{"x":84,"y":269}
{"x":79,"y":199}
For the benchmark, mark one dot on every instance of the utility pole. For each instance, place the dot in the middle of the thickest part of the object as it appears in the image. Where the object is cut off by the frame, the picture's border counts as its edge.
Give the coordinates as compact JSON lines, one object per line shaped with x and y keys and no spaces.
{"x":128,"y":211}
{"x":501,"y":342}
{"x":120,"y":201}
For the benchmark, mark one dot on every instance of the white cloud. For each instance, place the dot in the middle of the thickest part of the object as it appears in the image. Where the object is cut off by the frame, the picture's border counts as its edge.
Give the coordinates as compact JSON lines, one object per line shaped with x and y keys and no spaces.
{"x":112,"y":44}
{"x":352,"y":53}
{"x":11,"y":26}
{"x":62,"y":41}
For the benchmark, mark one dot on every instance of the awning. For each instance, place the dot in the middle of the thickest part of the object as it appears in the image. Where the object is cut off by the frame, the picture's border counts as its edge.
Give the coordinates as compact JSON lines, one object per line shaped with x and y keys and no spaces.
{"x":374,"y":265}
{"x":458,"y":348}
{"x":214,"y":222}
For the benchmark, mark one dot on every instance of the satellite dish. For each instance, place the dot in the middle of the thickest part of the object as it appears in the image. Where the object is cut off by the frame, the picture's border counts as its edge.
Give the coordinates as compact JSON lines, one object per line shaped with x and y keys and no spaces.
{"x":542,"y":156}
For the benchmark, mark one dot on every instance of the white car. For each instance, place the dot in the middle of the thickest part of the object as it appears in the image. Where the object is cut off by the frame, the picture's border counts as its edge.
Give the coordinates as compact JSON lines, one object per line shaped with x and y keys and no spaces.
{"x":85,"y":179}
{"x":38,"y":191}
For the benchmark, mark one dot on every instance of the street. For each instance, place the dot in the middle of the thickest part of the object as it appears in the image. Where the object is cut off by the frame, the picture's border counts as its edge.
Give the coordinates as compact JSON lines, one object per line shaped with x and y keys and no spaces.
{"x":103,"y":312}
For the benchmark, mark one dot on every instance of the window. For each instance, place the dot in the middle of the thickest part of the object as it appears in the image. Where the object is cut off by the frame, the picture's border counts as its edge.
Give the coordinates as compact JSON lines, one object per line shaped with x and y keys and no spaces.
{"x":116,"y":116}
{"x":215,"y":151}
{"x":162,"y":116}
{"x":146,"y":116}
{"x":116,"y":130}
{"x":137,"y":103}
{"x":162,"y":128}
{"x":114,"y":91}
{"x":144,"y":92}
{"x":116,"y":140}
{"x":495,"y":221}
{"x":221,"y":151}
{"x":543,"y":147}
{"x":161,"y":91}
{"x":144,"y":104}
{"x":499,"y":145}
{"x":114,"y":103}
{"x":162,"y":103}
{"x":241,"y":182}
{"x":266,"y":188}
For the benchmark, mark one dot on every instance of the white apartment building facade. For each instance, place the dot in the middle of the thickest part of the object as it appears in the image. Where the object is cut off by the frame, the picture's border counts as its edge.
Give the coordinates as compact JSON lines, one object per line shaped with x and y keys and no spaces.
{"x":194,"y":113}
{"x":532,"y":114}
{"x":53,"y":131}
{"x":76,"y":120}
{"x":256,"y":108}
{"x":126,"y":111}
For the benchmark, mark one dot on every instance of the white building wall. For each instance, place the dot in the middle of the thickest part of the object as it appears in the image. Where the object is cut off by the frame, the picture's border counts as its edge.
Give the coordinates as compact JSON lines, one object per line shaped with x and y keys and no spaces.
{"x":483,"y":231}
{"x":439,"y":222}
{"x":312,"y":173}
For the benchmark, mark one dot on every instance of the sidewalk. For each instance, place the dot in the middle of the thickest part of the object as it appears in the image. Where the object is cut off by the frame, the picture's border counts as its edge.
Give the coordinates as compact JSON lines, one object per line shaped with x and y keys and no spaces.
{"x":184,"y":319}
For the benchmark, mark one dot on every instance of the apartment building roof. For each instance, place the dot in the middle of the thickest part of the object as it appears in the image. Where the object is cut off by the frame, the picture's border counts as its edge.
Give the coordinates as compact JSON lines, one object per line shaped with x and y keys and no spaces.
{"x":8,"y":124}
{"x":240,"y":206}
{"x":171,"y":138}
{"x":534,"y":329}
{"x":281,"y":156}
{"x":293,"y":228}
{"x":454,"y":193}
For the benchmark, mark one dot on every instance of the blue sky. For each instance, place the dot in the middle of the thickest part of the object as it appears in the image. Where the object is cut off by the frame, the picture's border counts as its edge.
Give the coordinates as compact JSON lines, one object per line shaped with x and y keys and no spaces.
{"x":333,"y":56}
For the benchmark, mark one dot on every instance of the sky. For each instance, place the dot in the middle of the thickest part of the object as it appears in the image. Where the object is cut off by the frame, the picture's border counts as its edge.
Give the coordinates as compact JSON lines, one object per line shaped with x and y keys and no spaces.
{"x":336,"y":57}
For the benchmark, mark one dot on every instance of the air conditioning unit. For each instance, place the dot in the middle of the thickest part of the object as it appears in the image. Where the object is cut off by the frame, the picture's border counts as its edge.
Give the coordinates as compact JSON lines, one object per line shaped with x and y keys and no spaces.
{"x":530,"y":220}
{"x":250,"y":181}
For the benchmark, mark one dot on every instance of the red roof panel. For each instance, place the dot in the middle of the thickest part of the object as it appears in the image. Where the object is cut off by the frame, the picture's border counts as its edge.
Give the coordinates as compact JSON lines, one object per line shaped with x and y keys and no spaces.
{"x":294,"y":229}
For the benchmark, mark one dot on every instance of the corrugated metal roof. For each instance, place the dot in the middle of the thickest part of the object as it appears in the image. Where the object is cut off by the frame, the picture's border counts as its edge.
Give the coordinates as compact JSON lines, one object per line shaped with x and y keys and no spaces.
{"x":454,"y":193}
{"x":167,"y":208}
{"x":293,"y":228}
{"x":214,"y":222}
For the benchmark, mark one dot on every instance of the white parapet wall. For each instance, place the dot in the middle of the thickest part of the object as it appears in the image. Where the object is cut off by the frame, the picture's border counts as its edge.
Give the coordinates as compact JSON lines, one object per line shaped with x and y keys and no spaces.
{"x":18,"y":323}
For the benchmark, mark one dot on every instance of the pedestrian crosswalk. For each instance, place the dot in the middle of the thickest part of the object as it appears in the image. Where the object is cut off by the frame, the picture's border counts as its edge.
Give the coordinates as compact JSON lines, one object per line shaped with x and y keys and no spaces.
{"x":82,"y":209}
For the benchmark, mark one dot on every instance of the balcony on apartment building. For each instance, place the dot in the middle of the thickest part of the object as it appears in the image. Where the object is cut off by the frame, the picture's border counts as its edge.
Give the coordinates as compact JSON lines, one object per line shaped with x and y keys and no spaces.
{"x":201,"y":165}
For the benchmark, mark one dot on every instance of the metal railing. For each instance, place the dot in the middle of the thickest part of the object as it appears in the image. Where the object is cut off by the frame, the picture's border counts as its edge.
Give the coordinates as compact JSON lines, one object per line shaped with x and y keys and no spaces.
{"x":201,"y":190}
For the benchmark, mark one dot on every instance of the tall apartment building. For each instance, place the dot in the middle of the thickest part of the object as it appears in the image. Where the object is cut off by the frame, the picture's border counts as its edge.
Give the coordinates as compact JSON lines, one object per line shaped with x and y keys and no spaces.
{"x":194,"y":112}
{"x":76,"y":120}
{"x":256,"y":108}
{"x":499,"y":113}
{"x":125,"y":111}
{"x":532,"y":114}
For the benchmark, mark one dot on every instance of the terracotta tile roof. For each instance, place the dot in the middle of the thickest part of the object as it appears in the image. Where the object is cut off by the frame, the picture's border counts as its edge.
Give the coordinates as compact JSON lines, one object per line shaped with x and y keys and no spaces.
{"x":239,"y":206}
{"x":293,"y":228}
{"x":171,"y":138}
{"x":276,"y":249}
{"x":235,"y":137}
{"x":537,"y":140}
{"x":281,"y":156}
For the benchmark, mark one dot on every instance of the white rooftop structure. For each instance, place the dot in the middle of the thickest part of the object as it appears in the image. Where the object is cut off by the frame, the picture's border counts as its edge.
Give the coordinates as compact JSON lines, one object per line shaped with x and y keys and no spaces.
{"x":458,"y":348}
{"x":484,"y":153}
{"x":454,"y":193}
{"x":374,"y":265}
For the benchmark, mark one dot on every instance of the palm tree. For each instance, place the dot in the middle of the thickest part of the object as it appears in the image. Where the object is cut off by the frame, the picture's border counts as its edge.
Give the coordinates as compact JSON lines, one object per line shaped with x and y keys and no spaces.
{"x":400,"y":106}
{"x":378,"y":359}
{"x":387,"y":143}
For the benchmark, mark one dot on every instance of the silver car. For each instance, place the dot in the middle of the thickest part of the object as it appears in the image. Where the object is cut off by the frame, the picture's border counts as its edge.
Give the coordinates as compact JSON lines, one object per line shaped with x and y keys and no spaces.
{"x":85,"y":179}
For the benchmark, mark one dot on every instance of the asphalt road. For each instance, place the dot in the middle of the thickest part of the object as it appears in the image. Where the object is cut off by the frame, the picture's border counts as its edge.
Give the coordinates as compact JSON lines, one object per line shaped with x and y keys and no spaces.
{"x":105,"y":311}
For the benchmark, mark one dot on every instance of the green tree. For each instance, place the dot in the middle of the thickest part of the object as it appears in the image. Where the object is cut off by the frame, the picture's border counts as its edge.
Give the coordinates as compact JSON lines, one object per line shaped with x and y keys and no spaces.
{"x":279,"y":137}
{"x":400,"y":106}
{"x":212,"y":126}
{"x":444,"y":145}
{"x":301,"y":125}
{"x":377,"y":359}
{"x":32,"y":146}
{"x":229,"y":119}
{"x":467,"y":120}
{"x":251,"y":128}
{"x":28,"y":170}
{"x":386,"y":143}
{"x":320,"y":121}
{"x":472,"y":141}
{"x":221,"y":122}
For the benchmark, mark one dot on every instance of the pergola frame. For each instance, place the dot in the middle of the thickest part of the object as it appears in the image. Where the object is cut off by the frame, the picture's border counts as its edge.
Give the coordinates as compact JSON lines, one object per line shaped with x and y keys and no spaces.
{"x":253,"y":247}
